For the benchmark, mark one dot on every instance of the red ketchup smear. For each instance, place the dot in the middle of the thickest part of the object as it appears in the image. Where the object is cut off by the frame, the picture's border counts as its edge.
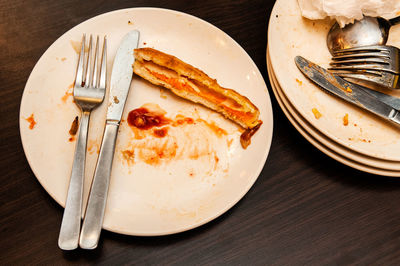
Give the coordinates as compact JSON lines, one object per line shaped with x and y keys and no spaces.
{"x":144,"y":119}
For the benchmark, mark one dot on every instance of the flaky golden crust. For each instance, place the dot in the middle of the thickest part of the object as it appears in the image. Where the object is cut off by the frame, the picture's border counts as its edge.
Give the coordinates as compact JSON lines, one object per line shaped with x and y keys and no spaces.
{"x":166,"y":70}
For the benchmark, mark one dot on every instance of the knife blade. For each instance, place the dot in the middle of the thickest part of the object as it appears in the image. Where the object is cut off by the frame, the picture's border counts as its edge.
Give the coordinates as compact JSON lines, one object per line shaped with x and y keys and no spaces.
{"x":121,"y":77}
{"x":347,"y":91}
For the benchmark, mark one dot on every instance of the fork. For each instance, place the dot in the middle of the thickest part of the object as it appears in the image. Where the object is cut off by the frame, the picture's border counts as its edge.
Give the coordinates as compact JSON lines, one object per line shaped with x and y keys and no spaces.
{"x":89,"y":91}
{"x":379,"y":64}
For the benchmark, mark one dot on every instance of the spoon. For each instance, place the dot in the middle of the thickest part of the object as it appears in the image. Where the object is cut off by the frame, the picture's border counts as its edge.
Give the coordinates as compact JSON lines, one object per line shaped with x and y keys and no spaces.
{"x":368,"y":31}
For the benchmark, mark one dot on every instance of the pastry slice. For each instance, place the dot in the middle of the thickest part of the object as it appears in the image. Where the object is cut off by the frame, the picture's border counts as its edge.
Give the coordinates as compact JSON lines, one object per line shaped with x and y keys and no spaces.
{"x":193,"y":84}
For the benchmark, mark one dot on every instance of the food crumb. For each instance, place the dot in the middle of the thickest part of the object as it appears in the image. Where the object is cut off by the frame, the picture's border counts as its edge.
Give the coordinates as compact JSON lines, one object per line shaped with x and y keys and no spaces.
{"x":128,"y":155}
{"x":74,"y":126}
{"x":276,"y":16}
{"x":299,"y":81}
{"x":316,"y":113}
{"x":144,"y":43}
{"x":162,"y":94}
{"x":130,"y":22}
{"x":116,"y":100}
{"x":63,"y":59}
{"x":349,"y":90}
{"x":346,"y":119}
{"x":71,"y":139}
{"x":31,"y":121}
{"x":191,"y":173}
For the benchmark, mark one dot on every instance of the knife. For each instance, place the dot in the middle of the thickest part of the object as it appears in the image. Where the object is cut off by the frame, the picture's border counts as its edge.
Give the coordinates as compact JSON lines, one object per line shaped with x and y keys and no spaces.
{"x":347,"y":91}
{"x":121,"y":78}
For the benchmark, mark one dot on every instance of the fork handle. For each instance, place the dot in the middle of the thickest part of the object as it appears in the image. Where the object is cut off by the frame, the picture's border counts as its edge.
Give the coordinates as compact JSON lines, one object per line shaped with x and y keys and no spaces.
{"x":93,"y":220}
{"x":71,"y":221}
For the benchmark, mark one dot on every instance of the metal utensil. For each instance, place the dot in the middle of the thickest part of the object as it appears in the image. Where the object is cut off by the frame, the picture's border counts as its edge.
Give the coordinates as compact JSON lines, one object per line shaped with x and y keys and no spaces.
{"x":379,"y":64}
{"x":89,"y":91}
{"x":121,"y":77}
{"x":347,"y":91}
{"x":368,"y":31}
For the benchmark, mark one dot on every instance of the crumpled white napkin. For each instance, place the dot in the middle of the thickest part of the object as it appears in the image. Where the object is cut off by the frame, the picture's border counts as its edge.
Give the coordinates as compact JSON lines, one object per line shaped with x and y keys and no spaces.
{"x":346,"y":11}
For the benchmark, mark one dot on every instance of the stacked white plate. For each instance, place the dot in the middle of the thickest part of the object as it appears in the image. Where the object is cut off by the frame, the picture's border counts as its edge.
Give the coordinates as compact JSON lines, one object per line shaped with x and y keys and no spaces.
{"x":344,"y":132}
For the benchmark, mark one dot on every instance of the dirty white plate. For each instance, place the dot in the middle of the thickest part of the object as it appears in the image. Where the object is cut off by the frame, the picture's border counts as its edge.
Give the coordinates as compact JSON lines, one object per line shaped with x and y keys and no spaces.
{"x":290,"y":35}
{"x":158,"y":185}
{"x":324,"y":144}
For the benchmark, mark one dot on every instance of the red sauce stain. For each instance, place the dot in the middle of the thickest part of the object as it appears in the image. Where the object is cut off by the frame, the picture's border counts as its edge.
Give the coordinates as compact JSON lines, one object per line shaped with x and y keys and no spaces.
{"x":31,"y":121}
{"x":160,"y":133}
{"x":144,"y":119}
{"x":71,"y":139}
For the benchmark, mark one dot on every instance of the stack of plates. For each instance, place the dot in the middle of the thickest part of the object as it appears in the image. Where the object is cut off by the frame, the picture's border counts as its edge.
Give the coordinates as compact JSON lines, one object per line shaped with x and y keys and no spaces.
{"x":344,"y":132}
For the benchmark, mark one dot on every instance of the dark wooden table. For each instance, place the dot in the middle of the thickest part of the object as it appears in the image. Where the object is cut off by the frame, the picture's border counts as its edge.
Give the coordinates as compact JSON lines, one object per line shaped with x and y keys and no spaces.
{"x":305,"y":208}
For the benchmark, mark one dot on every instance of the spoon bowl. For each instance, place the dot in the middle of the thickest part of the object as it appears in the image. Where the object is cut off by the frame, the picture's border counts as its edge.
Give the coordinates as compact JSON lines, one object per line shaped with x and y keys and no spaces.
{"x":368,"y":31}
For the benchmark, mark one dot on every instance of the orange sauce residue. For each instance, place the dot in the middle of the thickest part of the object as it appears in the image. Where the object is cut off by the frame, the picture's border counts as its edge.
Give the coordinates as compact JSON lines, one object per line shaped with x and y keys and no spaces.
{"x":346,"y":120}
{"x":216,"y":129}
{"x":93,"y":147}
{"x":129,"y":156}
{"x":31,"y":121}
{"x":77,"y":46}
{"x":68,"y":93}
{"x":163,"y":147}
{"x":316,"y":113}
{"x":160,"y":133}
{"x":299,"y":81}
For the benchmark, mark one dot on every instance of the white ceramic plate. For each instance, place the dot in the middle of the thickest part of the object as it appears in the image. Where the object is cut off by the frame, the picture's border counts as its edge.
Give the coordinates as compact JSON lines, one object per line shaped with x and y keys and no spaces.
{"x":325,"y":145}
{"x":289,"y":35}
{"x":341,"y":150}
{"x":201,"y":174}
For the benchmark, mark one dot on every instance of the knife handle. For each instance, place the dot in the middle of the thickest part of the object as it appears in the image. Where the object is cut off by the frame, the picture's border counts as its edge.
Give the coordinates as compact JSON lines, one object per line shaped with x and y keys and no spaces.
{"x":93,"y":220}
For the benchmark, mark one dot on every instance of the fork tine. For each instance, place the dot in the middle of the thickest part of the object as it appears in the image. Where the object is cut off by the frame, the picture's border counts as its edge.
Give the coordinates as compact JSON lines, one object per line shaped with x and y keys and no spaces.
{"x":369,"y":48}
{"x":359,"y":55}
{"x":375,"y":79}
{"x":88,"y":71}
{"x":357,"y":72}
{"x":359,"y":61}
{"x":374,"y":67}
{"x":103,"y":67}
{"x":96,"y":62}
{"x":79,"y":70}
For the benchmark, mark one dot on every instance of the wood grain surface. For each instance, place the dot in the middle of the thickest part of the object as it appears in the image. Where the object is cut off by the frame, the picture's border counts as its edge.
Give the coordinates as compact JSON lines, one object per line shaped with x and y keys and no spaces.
{"x":304,"y":209}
